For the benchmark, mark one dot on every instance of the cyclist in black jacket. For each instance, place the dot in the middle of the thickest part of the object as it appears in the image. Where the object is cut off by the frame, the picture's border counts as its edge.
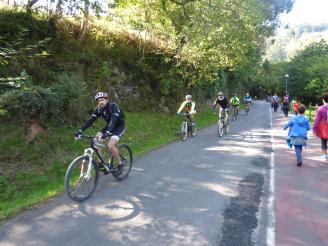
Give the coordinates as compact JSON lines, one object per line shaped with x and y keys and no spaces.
{"x":223,"y":102}
{"x":115,"y":120}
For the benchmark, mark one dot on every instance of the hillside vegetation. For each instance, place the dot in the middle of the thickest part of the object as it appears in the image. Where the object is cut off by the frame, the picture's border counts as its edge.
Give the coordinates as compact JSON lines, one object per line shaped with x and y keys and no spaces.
{"x":287,"y":43}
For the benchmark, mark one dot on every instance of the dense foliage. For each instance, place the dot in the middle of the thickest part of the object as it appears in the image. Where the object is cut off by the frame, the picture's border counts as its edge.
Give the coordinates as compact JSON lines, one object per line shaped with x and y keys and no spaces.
{"x":153,"y":53}
{"x":308,"y":74}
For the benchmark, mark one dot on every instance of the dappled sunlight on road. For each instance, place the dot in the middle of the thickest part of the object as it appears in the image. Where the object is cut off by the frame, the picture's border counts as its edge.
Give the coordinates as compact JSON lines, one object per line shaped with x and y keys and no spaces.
{"x":237,"y":150}
{"x":247,"y":143}
{"x":221,"y":189}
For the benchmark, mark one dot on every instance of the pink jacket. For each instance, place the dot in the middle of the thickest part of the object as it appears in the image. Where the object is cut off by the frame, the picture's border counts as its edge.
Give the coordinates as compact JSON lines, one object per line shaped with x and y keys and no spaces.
{"x":321,"y":115}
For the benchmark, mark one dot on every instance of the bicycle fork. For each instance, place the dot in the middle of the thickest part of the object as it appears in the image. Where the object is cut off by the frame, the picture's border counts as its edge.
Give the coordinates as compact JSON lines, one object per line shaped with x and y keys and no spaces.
{"x":86,"y":169}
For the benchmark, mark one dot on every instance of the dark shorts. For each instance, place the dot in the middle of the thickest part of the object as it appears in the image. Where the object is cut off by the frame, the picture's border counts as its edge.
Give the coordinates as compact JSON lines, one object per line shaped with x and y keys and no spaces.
{"x":324,"y":144}
{"x":118,"y":131}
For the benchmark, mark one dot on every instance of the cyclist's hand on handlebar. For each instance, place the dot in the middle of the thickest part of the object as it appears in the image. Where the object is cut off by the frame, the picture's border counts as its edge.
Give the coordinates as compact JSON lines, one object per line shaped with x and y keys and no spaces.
{"x":213,"y":110}
{"x":105,"y":135}
{"x":78,"y":134}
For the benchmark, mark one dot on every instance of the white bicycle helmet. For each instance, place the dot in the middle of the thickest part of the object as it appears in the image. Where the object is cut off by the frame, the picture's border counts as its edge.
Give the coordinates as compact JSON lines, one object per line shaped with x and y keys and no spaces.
{"x":101,"y":95}
{"x":188,"y":97}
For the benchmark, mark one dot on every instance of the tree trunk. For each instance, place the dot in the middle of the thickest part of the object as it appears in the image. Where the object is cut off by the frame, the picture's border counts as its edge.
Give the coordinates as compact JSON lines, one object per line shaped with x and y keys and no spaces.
{"x":29,"y":6}
{"x":85,"y":22}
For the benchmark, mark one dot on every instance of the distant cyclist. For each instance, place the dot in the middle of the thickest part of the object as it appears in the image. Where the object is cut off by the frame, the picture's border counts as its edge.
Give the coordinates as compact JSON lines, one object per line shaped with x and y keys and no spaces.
{"x":247,"y":100}
{"x":223,"y":102}
{"x":115,"y":126}
{"x":189,"y":106}
{"x":234,"y":101}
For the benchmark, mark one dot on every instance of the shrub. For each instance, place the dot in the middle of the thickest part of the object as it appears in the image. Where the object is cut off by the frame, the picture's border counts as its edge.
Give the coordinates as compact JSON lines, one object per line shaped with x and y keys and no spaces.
{"x":59,"y":104}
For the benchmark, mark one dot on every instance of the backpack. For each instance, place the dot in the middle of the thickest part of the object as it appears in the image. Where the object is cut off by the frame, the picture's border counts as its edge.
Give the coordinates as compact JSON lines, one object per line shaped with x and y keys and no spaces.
{"x":122,"y":116}
{"x":286,"y":99}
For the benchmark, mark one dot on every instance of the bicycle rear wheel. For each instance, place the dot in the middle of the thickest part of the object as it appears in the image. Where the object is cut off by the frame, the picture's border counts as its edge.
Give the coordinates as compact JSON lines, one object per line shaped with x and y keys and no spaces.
{"x":127,"y":160}
{"x":184,"y":131}
{"x":79,"y":184}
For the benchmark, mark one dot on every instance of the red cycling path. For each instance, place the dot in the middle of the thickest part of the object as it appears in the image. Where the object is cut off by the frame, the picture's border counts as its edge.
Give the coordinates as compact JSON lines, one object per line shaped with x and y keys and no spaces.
{"x":301,"y":193}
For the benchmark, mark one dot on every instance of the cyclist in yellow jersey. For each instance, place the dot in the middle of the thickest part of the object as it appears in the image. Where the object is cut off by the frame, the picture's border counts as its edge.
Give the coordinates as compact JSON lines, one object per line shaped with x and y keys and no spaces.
{"x":189,"y":106}
{"x":234,"y":101}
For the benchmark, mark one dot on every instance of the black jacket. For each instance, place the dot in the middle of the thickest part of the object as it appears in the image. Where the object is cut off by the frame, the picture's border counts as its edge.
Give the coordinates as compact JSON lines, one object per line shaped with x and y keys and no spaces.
{"x":111,"y":113}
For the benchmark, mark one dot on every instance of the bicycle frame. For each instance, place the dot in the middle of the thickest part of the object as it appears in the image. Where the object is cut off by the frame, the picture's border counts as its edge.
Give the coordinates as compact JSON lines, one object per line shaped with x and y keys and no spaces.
{"x":185,"y":126}
{"x":235,"y":109}
{"x":222,"y":116}
{"x":89,"y":152}
{"x":223,"y":121}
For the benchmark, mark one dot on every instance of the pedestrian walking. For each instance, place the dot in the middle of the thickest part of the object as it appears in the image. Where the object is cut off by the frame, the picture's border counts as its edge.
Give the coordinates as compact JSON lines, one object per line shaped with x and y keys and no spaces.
{"x":275,"y":102}
{"x":285,"y":105}
{"x":297,"y":135}
{"x":320,"y":126}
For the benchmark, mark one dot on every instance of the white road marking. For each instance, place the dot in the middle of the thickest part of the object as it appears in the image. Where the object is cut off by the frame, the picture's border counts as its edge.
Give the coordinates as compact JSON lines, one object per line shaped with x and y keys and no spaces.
{"x":270,"y":240}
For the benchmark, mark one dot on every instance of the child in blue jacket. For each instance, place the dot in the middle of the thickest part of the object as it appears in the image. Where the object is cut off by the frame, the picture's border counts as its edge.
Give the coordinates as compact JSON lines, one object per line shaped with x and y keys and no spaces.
{"x":297,"y":135}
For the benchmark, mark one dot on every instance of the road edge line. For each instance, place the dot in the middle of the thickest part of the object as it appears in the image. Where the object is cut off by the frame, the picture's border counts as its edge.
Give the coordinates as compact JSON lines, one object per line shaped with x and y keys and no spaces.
{"x":270,"y":238}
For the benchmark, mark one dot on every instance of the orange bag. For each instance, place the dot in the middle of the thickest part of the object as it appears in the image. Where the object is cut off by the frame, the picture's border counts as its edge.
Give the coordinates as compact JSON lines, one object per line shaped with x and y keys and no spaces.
{"x":322,"y":130}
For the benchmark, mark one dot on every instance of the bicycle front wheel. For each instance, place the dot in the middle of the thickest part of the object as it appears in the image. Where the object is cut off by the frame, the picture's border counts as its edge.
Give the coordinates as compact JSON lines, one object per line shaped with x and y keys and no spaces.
{"x":184,"y":131}
{"x":81,"y":179}
{"x":127,"y":159}
{"x":220,"y":128}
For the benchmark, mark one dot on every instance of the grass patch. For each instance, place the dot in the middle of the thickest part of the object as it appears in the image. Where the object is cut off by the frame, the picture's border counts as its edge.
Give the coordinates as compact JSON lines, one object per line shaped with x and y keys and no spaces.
{"x":32,"y":173}
{"x":310,"y":113}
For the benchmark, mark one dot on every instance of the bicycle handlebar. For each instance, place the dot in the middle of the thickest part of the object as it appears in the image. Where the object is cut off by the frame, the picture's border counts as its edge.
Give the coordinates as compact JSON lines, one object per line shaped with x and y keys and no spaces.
{"x":91,"y":137}
{"x":184,"y":114}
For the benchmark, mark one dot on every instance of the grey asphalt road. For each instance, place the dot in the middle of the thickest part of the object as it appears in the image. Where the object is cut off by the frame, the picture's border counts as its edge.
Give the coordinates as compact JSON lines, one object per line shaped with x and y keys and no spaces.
{"x":204,"y":191}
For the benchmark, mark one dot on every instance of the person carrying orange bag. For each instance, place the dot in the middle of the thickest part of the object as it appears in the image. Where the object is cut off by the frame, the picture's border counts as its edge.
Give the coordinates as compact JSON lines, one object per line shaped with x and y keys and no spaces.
{"x":320,"y":126}
{"x":296,"y":106}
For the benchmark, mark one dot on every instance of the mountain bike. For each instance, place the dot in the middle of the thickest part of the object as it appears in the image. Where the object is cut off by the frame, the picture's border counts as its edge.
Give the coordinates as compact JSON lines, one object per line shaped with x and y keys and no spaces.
{"x":247,"y":107}
{"x":235,"y":112}
{"x":223,"y":123}
{"x":82,"y":174}
{"x":187,"y":127}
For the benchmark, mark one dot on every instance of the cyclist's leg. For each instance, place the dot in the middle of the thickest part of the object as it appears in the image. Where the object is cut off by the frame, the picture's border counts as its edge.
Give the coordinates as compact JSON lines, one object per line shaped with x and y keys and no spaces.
{"x":112,"y":144}
{"x":100,"y":141}
{"x":190,"y":116}
{"x":226,"y":115}
{"x":192,"y":119}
